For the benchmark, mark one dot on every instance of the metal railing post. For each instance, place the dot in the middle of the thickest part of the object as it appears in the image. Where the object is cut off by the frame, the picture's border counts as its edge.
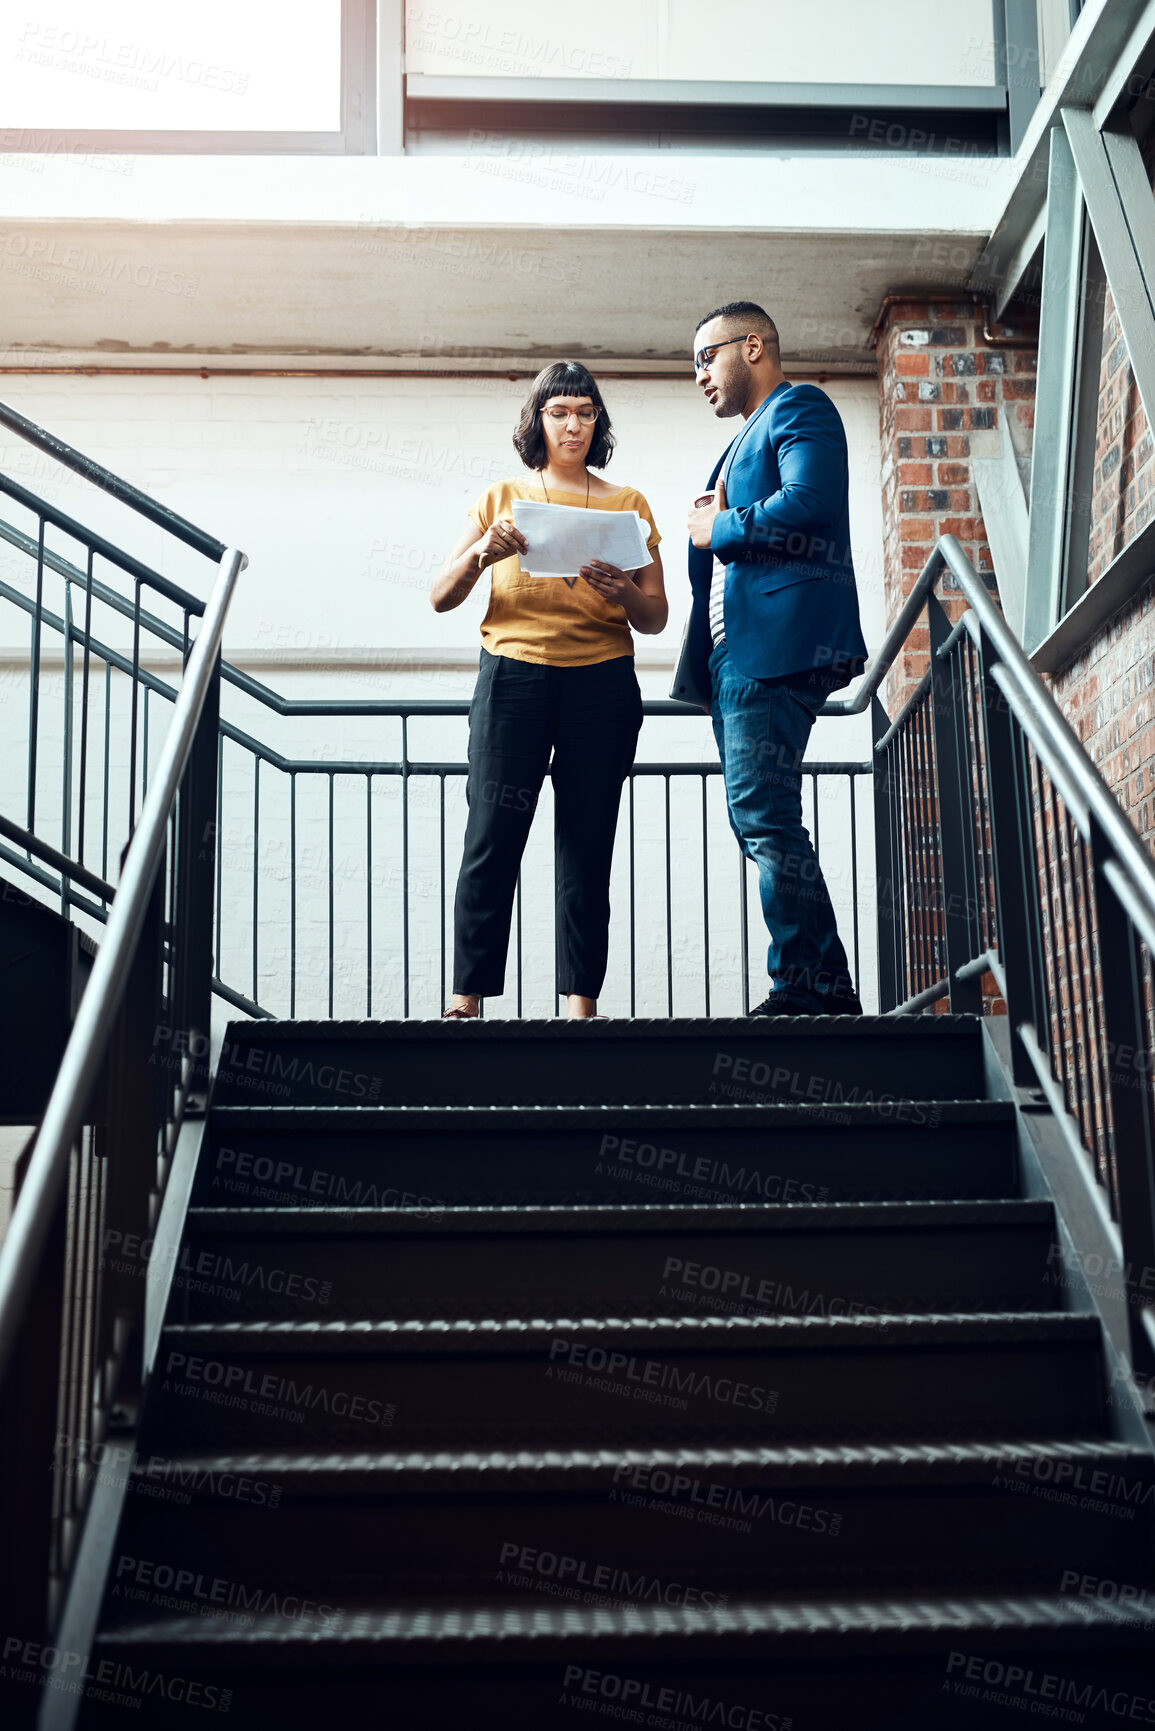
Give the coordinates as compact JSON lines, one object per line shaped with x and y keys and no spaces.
{"x":1129,"y":1083}
{"x":1012,"y":856}
{"x":958,"y":916}
{"x":140,"y":1079}
{"x":28,"y":1427}
{"x":197,"y":842}
{"x":888,"y":893}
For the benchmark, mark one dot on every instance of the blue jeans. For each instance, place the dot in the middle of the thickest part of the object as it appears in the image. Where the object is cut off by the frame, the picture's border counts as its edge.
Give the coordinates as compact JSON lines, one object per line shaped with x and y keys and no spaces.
{"x":762,"y":727}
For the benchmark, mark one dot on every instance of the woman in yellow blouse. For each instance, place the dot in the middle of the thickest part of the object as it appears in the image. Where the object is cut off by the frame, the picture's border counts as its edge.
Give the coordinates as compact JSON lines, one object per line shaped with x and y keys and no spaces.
{"x":556,"y":676}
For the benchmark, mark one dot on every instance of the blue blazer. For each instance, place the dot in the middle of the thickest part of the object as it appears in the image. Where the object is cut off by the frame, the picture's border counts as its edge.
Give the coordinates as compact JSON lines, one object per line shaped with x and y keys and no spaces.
{"x":791,"y":604}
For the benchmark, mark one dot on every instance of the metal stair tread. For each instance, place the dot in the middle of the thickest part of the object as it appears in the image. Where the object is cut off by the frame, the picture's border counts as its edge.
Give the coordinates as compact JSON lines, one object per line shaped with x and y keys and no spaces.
{"x":614,"y":1028}
{"x":832,"y":1464}
{"x":918,"y":1619}
{"x":629,"y":1217}
{"x":658,"y":1115}
{"x":285,"y":1336}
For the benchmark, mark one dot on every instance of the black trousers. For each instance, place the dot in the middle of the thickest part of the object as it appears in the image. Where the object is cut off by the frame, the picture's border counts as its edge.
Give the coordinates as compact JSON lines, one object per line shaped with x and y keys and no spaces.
{"x":589,"y":718}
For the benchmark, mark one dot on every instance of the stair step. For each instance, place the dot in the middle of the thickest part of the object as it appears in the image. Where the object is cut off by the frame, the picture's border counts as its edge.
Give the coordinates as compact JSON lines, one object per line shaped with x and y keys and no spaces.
{"x":435,"y":1632}
{"x":345,"y":1473}
{"x":800,"y":1663}
{"x":717,"y":1520}
{"x":438,"y":1156}
{"x":621,"y":1380}
{"x":677,"y":1059}
{"x":503,"y":1262}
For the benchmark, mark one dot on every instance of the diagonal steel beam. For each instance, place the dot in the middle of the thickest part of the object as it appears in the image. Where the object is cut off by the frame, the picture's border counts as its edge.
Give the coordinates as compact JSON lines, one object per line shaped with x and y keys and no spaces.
{"x":1121,"y":206}
{"x":1059,"y":331}
{"x":1094,"y":70}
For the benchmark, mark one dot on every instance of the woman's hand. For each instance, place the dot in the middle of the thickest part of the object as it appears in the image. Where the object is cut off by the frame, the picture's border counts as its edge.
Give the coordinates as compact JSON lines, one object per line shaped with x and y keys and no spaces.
{"x":610,"y":581}
{"x":472,"y":552}
{"x":500,"y":541}
{"x":641,"y":593}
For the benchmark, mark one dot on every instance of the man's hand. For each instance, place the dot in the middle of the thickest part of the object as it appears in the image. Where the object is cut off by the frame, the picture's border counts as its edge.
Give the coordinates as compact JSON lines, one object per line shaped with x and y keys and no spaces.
{"x":701,"y":519}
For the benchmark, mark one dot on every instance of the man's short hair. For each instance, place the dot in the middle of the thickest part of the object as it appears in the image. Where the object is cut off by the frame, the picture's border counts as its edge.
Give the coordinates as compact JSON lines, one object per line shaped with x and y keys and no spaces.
{"x":757,"y":321}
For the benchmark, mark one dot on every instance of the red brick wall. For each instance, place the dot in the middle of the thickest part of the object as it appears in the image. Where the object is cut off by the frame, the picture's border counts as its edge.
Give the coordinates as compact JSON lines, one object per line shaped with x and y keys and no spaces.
{"x":1121,"y":496}
{"x":1108,"y":691}
{"x":939,"y":384}
{"x":1108,"y":695}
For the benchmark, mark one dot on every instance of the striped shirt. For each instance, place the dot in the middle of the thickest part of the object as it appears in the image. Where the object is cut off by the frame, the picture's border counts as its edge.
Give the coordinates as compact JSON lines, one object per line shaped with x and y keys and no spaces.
{"x":717,"y":596}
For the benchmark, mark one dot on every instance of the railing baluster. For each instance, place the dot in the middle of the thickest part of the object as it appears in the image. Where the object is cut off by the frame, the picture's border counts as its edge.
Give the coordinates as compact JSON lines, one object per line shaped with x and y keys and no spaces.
{"x":887,"y":887}
{"x":744,"y":929}
{"x":633,"y":909}
{"x":1049,"y":825}
{"x":133,"y":709}
{"x":405,"y":864}
{"x":669,"y":907}
{"x":1010,"y":852}
{"x":1032,"y":811}
{"x":369,"y":894}
{"x":953,"y":805}
{"x":1066,"y":926}
{"x":292,"y":893}
{"x":908,"y":834}
{"x":144,"y":747}
{"x":256,"y":870}
{"x":331,"y":780}
{"x":1133,"y":1132}
{"x":705,"y":899}
{"x":66,"y":777}
{"x":927,"y":822}
{"x":1086,"y":942}
{"x":34,"y":680}
{"x":84,"y":682}
{"x":107,"y":761}
{"x":441,"y":877}
{"x":220,"y":849}
{"x":850,"y":788}
{"x":517,"y":916}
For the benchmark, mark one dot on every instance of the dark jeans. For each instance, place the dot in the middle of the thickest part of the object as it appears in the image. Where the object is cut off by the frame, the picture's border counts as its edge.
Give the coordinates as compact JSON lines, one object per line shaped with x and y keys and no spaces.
{"x":762,"y":727}
{"x":589,"y":717}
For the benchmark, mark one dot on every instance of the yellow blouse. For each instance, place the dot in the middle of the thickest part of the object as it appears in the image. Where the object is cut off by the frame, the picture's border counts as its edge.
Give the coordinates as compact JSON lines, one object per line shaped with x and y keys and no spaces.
{"x":545,"y":619}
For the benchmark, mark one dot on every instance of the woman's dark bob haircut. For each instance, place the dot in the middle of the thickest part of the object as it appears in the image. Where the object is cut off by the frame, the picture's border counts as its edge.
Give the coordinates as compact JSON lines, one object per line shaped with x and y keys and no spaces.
{"x":562,"y":379}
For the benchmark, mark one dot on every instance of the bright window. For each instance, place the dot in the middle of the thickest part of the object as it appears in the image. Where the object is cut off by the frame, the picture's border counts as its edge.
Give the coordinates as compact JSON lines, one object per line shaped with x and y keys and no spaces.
{"x":218,"y":66}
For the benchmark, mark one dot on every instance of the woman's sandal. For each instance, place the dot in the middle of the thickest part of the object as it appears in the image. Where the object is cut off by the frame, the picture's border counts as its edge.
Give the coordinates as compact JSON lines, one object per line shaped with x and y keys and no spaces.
{"x":459,"y":1015}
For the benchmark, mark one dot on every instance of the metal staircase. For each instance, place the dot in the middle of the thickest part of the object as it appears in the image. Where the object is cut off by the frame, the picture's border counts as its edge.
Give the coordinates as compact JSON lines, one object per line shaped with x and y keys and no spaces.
{"x":692,"y":1371}
{"x":568,"y":1402}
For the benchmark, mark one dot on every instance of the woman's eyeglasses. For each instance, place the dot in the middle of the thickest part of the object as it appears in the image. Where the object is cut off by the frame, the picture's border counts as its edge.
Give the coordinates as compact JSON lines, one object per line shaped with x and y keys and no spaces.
{"x":586,"y":416}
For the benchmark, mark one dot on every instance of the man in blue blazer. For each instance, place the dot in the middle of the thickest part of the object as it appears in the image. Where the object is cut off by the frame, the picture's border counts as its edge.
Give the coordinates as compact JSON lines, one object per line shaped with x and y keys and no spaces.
{"x":773,"y":630}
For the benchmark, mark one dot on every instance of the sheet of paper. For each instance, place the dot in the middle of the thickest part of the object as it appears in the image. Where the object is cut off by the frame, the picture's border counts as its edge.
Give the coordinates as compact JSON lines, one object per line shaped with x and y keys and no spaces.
{"x":563,"y":538}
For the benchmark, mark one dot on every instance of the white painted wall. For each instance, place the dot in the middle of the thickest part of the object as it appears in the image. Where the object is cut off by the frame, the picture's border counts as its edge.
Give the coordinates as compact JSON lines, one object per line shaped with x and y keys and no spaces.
{"x":837,"y":42}
{"x":346,"y":493}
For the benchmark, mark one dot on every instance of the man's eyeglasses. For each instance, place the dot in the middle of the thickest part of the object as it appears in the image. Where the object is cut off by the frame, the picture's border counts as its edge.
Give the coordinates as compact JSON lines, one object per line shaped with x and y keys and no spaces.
{"x":706,"y":355}
{"x":586,"y":416}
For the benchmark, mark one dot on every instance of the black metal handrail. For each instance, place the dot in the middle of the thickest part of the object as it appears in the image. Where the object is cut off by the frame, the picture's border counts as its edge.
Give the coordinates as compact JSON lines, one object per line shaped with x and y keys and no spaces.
{"x":1002,"y":850}
{"x":136,"y":499}
{"x":72,"y":1317}
{"x":248,"y":762}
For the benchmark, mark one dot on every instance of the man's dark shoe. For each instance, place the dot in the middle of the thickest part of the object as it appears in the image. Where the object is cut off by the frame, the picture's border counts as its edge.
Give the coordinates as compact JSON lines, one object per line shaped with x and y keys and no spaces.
{"x":793,"y":1001}
{"x":788,"y":1001}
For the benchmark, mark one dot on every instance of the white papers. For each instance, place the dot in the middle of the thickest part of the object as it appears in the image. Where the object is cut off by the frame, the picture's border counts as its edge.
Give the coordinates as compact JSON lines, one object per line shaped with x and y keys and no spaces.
{"x":563,"y":538}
